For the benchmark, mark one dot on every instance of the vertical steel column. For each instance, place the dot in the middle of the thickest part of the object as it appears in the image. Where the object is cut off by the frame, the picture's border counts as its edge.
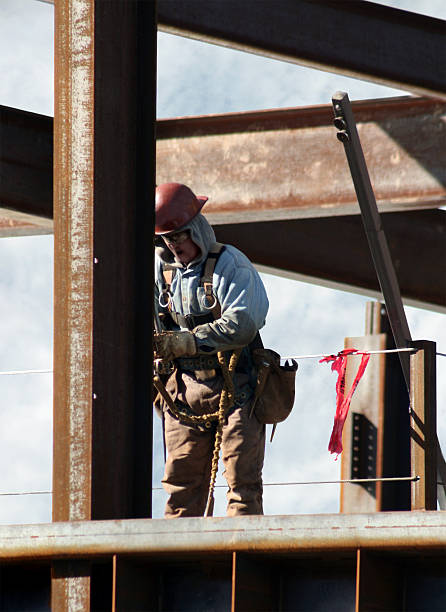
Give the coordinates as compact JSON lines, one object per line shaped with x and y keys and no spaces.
{"x":254,"y":584}
{"x":104,"y":156}
{"x":73,"y":274}
{"x":362,"y":437}
{"x":376,"y":432}
{"x":423,"y":421}
{"x":378,"y":582}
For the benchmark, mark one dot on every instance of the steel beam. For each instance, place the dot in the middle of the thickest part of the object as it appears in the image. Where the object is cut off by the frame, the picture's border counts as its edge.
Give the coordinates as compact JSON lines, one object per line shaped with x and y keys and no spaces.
{"x":26,"y":162}
{"x":335,"y":251}
{"x":26,"y":176}
{"x":376,"y":237}
{"x":103,"y":224}
{"x":376,"y":432}
{"x":364,"y":40}
{"x":378,"y":583}
{"x":285,"y":164}
{"x":277,"y":164}
{"x":401,"y":531}
{"x":104,"y":167}
{"x":362,"y":448}
{"x":423,"y":426}
{"x":360,"y":39}
{"x":254,"y":584}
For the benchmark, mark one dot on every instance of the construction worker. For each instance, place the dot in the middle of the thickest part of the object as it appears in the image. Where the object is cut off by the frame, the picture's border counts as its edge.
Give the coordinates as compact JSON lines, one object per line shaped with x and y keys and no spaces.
{"x":210,"y":304}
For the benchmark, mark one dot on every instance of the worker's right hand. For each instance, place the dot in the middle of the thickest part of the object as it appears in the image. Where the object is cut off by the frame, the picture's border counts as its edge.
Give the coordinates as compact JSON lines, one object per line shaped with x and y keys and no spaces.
{"x":170,"y":345}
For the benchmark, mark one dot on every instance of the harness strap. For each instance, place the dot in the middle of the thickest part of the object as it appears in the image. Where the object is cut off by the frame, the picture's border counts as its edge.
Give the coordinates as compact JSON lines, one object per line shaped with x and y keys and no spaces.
{"x":206,"y":281}
{"x":207,"y":278}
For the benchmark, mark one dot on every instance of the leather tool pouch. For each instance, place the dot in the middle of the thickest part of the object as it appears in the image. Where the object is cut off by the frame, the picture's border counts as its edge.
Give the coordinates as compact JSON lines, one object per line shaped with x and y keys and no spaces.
{"x":275,"y":390}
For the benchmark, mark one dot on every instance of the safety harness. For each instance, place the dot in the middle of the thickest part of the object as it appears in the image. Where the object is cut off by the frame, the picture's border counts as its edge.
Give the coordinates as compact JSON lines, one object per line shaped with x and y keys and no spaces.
{"x":206,"y":282}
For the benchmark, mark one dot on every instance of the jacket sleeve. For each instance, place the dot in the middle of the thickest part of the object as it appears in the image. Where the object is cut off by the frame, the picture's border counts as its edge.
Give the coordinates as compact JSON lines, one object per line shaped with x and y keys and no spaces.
{"x":244,"y":305}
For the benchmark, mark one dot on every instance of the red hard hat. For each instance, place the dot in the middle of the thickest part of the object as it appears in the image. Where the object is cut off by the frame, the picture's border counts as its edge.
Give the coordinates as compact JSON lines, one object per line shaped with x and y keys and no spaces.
{"x":175,"y":206}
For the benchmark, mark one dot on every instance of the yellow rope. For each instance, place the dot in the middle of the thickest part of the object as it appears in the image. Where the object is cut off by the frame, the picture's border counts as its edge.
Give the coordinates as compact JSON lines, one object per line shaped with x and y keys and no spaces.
{"x":226,"y":403}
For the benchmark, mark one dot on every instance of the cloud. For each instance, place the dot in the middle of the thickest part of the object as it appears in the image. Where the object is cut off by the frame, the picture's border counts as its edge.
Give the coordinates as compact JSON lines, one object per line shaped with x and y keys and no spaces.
{"x":26,"y":57}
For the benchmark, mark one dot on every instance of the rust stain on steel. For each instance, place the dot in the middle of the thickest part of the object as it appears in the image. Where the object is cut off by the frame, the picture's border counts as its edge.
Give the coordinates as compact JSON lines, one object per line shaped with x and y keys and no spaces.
{"x":404,"y":531}
{"x":18,"y":224}
{"x":271,"y":164}
{"x":423,"y":426}
{"x":286,"y":164}
{"x":73,"y":198}
{"x":367,"y":404}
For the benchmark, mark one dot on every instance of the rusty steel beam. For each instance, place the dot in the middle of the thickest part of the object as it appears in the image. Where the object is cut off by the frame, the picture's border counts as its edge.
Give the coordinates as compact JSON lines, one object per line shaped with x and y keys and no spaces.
{"x":335,"y":251}
{"x":26,"y":162}
{"x":362,"y":448}
{"x":409,"y":531}
{"x":423,"y":426}
{"x":287,"y":164}
{"x":104,"y":169}
{"x":26,"y":177}
{"x":377,"y":583}
{"x":103,"y":224}
{"x":267,"y":164}
{"x":359,"y":39}
{"x":374,"y":231}
{"x":376,"y":432}
{"x":73,"y":275}
{"x":13,"y":223}
{"x":402,"y":49}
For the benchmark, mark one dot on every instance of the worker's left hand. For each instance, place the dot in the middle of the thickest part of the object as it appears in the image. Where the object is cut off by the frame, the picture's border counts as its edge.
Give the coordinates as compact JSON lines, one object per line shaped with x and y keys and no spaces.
{"x":170,"y":345}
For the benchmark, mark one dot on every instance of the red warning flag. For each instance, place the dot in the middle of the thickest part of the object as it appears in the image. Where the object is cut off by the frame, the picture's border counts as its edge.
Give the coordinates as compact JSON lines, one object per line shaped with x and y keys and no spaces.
{"x":343,"y":401}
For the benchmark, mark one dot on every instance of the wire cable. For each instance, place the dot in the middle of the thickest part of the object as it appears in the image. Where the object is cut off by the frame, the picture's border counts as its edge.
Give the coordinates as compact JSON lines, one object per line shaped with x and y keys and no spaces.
{"x":412,"y":350}
{"x":318,"y":356}
{"x":269,"y":484}
{"x":15,"y":372}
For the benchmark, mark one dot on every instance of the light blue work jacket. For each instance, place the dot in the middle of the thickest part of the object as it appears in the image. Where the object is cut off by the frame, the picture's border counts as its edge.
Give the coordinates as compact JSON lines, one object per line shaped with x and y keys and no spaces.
{"x":236,"y":285}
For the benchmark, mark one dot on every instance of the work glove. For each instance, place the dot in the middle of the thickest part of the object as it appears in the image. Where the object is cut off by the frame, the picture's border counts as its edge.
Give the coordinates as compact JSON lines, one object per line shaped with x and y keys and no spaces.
{"x":170,"y":345}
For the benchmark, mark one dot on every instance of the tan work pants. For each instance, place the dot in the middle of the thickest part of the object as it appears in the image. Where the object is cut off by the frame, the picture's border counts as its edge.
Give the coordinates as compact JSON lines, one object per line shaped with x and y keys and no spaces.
{"x":188,"y":465}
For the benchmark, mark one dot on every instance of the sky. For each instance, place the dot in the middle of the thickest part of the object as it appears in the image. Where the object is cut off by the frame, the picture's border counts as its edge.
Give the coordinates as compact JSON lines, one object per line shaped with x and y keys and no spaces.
{"x":193,"y":79}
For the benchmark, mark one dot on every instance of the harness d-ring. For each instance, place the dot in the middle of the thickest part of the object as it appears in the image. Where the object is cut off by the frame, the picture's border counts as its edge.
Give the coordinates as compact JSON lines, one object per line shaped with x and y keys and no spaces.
{"x":205,"y":305}
{"x":169,"y":300}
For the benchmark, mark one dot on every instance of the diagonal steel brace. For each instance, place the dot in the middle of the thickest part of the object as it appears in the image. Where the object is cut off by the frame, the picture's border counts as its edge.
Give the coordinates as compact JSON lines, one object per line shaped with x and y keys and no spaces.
{"x":344,"y":121}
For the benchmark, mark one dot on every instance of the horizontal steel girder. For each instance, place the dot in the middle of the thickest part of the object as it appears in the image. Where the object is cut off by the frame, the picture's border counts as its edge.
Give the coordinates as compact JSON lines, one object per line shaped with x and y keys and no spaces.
{"x":402,"y":531}
{"x":360,"y":39}
{"x":335,"y":251}
{"x":26,"y":173}
{"x":271,"y":171}
{"x":256,"y":166}
{"x":288,"y":164}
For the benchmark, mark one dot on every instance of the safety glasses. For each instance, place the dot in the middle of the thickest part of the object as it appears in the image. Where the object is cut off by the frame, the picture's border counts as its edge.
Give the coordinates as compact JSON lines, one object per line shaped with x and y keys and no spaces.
{"x":176,"y":237}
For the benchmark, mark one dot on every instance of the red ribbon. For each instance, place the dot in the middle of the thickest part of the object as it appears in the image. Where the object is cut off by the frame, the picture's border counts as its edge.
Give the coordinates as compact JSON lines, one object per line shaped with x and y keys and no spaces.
{"x":343,"y":401}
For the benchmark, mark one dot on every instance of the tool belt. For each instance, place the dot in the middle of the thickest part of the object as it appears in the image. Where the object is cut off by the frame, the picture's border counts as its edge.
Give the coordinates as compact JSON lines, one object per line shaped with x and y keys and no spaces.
{"x":202,"y":362}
